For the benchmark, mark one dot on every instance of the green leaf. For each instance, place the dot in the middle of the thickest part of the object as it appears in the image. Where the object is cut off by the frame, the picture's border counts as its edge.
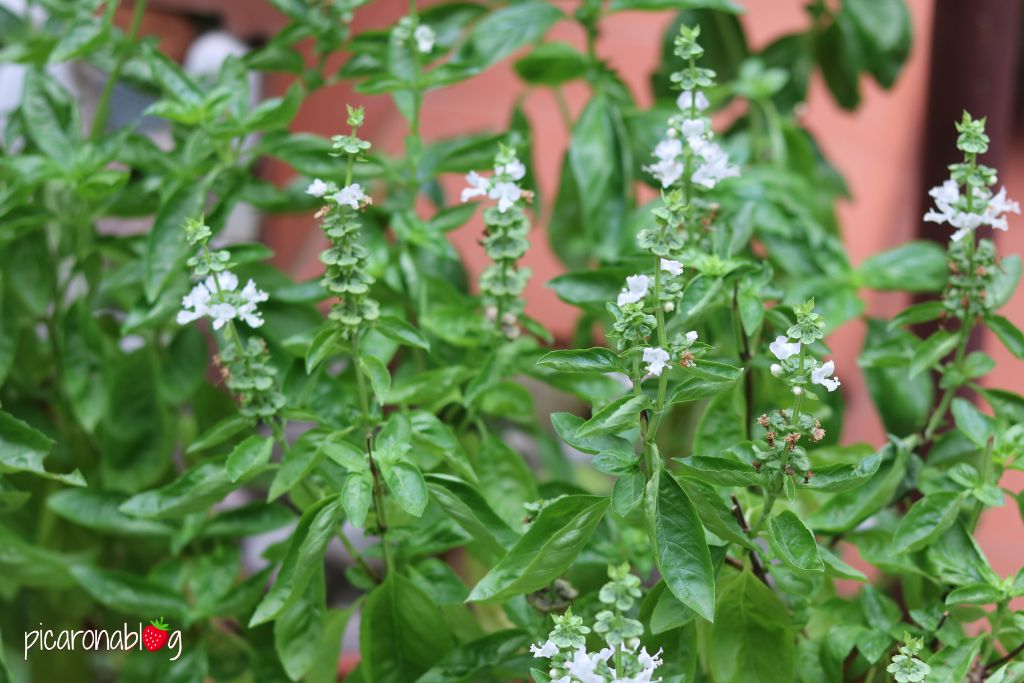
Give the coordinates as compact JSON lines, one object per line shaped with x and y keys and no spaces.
{"x":503,"y":31}
{"x":918,"y":266}
{"x":470,"y":510}
{"x":166,"y":248}
{"x":627,"y":492}
{"x":475,"y":660}
{"x":82,"y":37}
{"x":720,"y":471}
{"x":299,"y":628}
{"x":703,"y":380}
{"x":904,"y":403}
{"x":794,"y":543}
{"x":505,"y":480}
{"x":249,"y":457}
{"x":618,"y":415}
{"x":720,"y":5}
{"x":23,"y":449}
{"x":301,"y":458}
{"x":848,"y":509}
{"x":834,"y":566}
{"x":402,"y":633}
{"x":552,"y":63}
{"x":276,"y":112}
{"x":841,"y":60}
{"x":405,"y":481}
{"x":130,"y":594}
{"x":380,"y":378}
{"x":325,"y":344}
{"x":545,"y":551}
{"x":194,"y":491}
{"x":598,"y":359}
{"x":249,"y":520}
{"x":934,"y":349}
{"x":926,"y":520}
{"x":752,"y":639}
{"x":843,"y":477}
{"x":918,"y":313}
{"x":567,"y":425}
{"x":975,"y":594}
{"x":402,"y":332}
{"x":1008,"y":333}
{"x":1004,"y":281}
{"x":305,"y":555}
{"x":54,"y":137}
{"x":680,"y":550}
{"x":100,"y":511}
{"x":220,"y":432}
{"x":357,"y":495}
{"x":977,"y":427}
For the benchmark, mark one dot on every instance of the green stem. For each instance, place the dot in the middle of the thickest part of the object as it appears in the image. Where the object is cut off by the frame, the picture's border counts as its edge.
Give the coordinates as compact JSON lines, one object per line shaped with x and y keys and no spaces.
{"x":769,"y":503}
{"x":378,"y":484}
{"x":563,"y":107}
{"x":798,"y":401}
{"x":99,"y":122}
{"x":990,"y":644}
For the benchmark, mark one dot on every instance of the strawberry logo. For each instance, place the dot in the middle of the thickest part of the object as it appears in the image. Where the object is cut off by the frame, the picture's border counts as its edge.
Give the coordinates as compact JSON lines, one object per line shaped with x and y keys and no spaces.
{"x":155,"y":635}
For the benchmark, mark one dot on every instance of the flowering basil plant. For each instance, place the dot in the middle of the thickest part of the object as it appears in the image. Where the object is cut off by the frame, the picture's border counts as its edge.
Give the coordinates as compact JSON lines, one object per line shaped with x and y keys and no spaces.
{"x":186,"y":431}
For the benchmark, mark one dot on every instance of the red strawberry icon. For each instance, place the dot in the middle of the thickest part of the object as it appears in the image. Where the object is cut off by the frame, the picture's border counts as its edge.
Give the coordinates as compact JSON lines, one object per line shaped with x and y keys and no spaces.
{"x":155,"y":635}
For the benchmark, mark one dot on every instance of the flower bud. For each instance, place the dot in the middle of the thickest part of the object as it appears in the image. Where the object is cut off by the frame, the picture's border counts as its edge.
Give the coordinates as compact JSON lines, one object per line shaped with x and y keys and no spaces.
{"x":776,"y":370}
{"x":797,"y":391}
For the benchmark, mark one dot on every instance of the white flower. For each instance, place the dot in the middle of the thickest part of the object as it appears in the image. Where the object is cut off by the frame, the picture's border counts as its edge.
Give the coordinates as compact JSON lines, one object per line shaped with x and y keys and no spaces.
{"x":691,"y":336}
{"x":775,"y":369}
{"x":221,"y":313}
{"x":948,"y":202}
{"x":797,"y":391}
{"x":217,"y":297}
{"x":823,"y":375}
{"x":666,"y":171}
{"x":783,"y":348}
{"x":224,"y":281}
{"x":194,"y":305}
{"x":506,"y":193}
{"x":716,"y":164}
{"x":656,"y":359}
{"x":251,"y":295}
{"x":478,"y":186}
{"x":317,"y":188}
{"x":648,"y":661}
{"x":636,"y":290}
{"x":545,"y":651}
{"x":671,"y":267}
{"x":513,"y":169}
{"x":997,"y":206}
{"x":583,"y":667}
{"x":686,"y":100}
{"x":352,"y":195}
{"x":425,"y":38}
{"x":692,"y":128}
{"x":668,"y":149}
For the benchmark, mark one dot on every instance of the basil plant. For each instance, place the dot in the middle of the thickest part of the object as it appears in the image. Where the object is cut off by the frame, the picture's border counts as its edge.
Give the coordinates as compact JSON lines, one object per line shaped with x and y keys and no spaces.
{"x":210,"y":471}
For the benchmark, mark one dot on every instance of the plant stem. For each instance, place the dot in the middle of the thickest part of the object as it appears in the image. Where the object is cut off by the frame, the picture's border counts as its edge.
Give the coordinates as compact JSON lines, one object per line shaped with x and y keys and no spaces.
{"x":378,"y":484}
{"x":99,"y":121}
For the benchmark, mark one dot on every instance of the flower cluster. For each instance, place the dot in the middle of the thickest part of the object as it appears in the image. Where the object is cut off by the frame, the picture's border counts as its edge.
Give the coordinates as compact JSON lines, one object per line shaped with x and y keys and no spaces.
{"x":965,"y":201}
{"x":905,"y":666}
{"x":505,"y":240}
{"x":688,"y":151}
{"x":503,"y":186}
{"x":622,"y":660}
{"x":345,"y":273}
{"x":246,"y":366}
{"x":421,"y":36}
{"x":789,"y":351}
{"x":217,"y":296}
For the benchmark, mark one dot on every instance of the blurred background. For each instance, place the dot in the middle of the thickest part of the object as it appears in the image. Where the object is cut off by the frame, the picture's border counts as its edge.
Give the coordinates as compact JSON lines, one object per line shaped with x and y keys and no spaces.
{"x":896,"y":145}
